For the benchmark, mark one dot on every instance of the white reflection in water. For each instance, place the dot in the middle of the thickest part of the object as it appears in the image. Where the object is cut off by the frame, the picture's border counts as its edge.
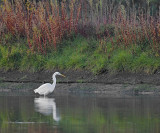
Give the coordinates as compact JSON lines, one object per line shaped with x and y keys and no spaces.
{"x":46,"y":106}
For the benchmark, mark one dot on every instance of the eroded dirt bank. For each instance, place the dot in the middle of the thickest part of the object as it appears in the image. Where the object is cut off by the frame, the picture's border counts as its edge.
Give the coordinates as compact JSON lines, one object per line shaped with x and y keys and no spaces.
{"x":82,"y":82}
{"x":78,"y":76}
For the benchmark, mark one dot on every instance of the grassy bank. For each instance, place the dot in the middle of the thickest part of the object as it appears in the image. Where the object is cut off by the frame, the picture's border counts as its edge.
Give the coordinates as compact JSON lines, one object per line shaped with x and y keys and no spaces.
{"x":102,"y":36}
{"x":79,"y":53}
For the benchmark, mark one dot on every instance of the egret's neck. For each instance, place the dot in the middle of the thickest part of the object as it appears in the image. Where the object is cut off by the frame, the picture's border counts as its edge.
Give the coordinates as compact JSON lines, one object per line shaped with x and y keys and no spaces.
{"x":54,"y":79}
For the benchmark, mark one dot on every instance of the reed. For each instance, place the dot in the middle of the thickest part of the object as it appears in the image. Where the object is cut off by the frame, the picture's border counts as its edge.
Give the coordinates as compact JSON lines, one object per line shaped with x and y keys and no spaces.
{"x":45,"y":24}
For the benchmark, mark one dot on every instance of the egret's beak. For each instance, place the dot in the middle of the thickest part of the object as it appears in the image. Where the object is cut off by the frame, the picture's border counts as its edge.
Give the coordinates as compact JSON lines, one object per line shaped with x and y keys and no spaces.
{"x":63,"y":75}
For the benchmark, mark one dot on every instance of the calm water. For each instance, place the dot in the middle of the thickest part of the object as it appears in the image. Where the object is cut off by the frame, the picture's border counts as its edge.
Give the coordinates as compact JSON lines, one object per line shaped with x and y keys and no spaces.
{"x":79,"y":114}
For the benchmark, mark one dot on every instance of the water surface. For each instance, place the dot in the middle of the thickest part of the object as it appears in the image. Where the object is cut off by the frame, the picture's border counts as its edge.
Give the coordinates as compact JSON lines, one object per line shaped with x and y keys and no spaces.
{"x":79,"y":114}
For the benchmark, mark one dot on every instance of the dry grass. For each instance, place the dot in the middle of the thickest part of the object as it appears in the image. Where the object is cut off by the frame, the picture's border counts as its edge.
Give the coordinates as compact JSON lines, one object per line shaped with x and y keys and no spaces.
{"x":45,"y":24}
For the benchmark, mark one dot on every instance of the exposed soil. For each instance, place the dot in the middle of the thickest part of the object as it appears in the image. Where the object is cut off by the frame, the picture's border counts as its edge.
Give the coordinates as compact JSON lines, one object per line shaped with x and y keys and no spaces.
{"x":83,"y":82}
{"x":79,"y":76}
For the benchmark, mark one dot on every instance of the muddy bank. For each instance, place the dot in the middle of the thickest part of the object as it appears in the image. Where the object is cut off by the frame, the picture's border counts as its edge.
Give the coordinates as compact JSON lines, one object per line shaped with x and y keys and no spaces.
{"x":91,"y":89}
{"x":82,"y":82}
{"x":78,"y":76}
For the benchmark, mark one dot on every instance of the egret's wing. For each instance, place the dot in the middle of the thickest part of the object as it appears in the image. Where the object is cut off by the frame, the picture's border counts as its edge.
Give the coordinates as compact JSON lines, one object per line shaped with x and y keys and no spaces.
{"x":45,"y":88}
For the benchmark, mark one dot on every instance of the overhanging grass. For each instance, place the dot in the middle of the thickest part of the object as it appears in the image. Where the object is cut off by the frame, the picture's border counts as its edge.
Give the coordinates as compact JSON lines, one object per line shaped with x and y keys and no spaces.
{"x":121,"y":60}
{"x":146,"y":63}
{"x":79,"y":53}
{"x":97,"y":61}
{"x":72,"y":56}
{"x":125,"y":60}
{"x":10,"y":58}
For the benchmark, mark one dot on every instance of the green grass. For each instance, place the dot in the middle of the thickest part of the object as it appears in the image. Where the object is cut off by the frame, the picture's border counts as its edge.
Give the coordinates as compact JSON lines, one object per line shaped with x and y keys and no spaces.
{"x":121,"y":61}
{"x":10,"y":57}
{"x":79,"y":53}
{"x":97,"y":62}
{"x":146,"y":63}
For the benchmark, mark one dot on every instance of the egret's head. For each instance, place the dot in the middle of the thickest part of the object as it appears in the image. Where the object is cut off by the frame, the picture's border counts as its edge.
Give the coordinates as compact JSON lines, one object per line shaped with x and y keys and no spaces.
{"x":58,"y":73}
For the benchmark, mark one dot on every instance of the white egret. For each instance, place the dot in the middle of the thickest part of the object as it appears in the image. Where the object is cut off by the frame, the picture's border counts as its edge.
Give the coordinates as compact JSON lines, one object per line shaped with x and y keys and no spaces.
{"x":47,"y":88}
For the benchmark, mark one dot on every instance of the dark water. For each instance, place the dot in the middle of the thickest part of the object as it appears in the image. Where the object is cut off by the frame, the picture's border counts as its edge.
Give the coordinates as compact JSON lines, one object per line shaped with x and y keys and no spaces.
{"x":79,"y":114}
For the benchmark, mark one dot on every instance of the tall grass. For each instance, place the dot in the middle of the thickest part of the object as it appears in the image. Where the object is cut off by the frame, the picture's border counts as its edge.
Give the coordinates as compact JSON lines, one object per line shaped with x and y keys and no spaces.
{"x":44,"y":24}
{"x":123,"y":32}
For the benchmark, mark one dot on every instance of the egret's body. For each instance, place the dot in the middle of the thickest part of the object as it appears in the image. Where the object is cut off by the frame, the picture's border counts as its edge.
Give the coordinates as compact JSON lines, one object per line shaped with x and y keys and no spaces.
{"x":47,"y":88}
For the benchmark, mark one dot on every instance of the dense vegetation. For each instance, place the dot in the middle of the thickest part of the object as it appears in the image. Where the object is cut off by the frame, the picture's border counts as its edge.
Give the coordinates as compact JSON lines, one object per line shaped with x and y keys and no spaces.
{"x":95,"y":35}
